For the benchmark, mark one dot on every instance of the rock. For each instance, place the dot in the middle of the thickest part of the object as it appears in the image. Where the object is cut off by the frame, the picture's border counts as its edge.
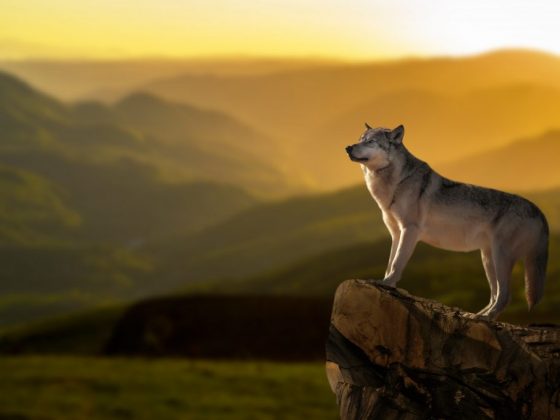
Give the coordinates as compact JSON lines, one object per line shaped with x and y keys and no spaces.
{"x":391,"y":355}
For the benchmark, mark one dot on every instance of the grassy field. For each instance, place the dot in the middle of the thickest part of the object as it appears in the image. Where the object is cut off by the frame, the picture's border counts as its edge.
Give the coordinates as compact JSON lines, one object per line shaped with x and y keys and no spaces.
{"x":102,"y":388}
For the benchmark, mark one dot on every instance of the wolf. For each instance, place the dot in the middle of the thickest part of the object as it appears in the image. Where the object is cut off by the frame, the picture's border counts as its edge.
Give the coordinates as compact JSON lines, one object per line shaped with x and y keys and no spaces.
{"x":418,"y":204}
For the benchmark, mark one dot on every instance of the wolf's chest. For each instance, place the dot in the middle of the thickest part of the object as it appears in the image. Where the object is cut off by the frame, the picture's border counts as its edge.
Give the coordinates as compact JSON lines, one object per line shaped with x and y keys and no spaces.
{"x":381,"y":191}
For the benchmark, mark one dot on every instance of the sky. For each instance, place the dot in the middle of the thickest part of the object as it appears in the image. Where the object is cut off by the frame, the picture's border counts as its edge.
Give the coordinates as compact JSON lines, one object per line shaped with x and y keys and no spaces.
{"x":349,"y":30}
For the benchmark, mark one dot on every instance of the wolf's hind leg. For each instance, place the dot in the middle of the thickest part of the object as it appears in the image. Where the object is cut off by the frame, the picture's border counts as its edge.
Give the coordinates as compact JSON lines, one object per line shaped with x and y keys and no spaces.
{"x":503,"y":265}
{"x":488,"y":265}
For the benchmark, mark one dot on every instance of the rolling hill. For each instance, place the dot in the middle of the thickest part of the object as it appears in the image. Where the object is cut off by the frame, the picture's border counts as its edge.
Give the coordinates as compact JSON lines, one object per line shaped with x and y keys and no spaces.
{"x":451,"y":107}
{"x":187,"y":323}
{"x":212,"y":144}
{"x":296,"y":116}
{"x":183,"y":143}
{"x":79,"y":200}
{"x":528,"y":164}
{"x":269,"y":236}
{"x":272,"y":236}
{"x":443,"y":128}
{"x":101,"y":220}
{"x":302,"y":245}
{"x":105,"y":170}
{"x":295,"y":102}
{"x":456,"y":279}
{"x":107,"y":79}
{"x":32,"y":210}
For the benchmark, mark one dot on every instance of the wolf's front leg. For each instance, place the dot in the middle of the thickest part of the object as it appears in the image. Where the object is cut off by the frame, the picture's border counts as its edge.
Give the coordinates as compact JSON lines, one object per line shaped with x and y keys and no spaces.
{"x":394,"y":246}
{"x":407,"y":242}
{"x":395,"y":239}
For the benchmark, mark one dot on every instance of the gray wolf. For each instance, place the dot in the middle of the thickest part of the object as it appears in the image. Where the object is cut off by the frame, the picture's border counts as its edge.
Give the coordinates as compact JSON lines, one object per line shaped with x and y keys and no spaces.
{"x":418,"y":204}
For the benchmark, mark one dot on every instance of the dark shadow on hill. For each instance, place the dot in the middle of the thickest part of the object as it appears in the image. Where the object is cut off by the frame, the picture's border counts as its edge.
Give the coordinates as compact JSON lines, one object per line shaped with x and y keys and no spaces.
{"x":256,"y":327}
{"x":238,"y":327}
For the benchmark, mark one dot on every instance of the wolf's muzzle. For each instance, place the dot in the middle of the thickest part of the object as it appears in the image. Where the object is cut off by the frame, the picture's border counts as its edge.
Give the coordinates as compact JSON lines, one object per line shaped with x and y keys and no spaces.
{"x":352,"y":157}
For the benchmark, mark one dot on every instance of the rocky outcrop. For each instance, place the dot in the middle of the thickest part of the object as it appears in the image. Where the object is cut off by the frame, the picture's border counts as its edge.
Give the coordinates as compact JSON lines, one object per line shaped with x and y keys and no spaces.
{"x":391,"y":355}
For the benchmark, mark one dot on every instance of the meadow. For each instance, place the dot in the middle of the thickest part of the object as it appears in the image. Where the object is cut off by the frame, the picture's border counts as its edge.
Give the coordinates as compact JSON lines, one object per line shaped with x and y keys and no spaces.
{"x":97,"y":388}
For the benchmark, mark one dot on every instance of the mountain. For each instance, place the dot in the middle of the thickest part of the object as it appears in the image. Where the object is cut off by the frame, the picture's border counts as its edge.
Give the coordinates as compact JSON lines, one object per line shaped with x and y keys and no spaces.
{"x":297,"y":101}
{"x":307,"y":111}
{"x":148,"y":195}
{"x":79,"y":202}
{"x":210,"y":143}
{"x":524,"y":165}
{"x":186,"y":143}
{"x":106,"y":172}
{"x":107,"y":79}
{"x":96,"y":171}
{"x":18,"y":101}
{"x":75,"y":241}
{"x":442,"y":128}
{"x":183,"y":143}
{"x":451,"y":107}
{"x":272,"y":236}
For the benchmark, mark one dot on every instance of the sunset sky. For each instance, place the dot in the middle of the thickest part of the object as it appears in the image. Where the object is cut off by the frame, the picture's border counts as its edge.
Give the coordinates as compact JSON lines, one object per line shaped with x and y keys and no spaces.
{"x":356,"y":29}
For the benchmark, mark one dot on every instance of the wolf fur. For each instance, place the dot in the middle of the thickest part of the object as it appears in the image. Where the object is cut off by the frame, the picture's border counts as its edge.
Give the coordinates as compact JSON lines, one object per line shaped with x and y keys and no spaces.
{"x":418,"y":204}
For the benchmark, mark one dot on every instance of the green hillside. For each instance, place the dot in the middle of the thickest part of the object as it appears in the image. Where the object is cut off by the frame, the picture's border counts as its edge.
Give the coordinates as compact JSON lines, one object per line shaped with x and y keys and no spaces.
{"x":48,"y":279}
{"x":66,"y":388}
{"x":77,"y":332}
{"x":182,"y":143}
{"x":456,"y":279}
{"x":273,"y":235}
{"x":106,"y":173}
{"x":19,"y":103}
{"x":300,"y":294}
{"x":187,"y":143}
{"x":88,"y":214}
{"x":78,"y":202}
{"x":32,"y":210}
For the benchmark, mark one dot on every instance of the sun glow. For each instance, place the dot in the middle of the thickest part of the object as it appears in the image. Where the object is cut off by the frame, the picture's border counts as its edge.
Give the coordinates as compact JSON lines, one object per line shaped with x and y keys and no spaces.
{"x":357,"y":29}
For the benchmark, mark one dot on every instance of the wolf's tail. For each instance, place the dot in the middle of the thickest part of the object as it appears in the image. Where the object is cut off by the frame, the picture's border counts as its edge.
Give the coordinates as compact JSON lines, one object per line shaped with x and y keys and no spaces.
{"x":535,"y":269}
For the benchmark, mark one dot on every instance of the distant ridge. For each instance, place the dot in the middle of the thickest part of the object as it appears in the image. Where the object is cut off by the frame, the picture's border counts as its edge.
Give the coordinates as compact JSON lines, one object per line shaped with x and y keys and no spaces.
{"x":450,"y":106}
{"x":528,"y":164}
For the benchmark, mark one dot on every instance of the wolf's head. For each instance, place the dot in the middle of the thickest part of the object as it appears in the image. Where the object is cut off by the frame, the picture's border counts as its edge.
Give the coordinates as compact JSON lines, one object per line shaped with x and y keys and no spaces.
{"x":376,"y":147}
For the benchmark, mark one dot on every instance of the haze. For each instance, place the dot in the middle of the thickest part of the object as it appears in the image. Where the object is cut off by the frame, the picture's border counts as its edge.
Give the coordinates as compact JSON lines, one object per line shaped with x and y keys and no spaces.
{"x":354,"y":30}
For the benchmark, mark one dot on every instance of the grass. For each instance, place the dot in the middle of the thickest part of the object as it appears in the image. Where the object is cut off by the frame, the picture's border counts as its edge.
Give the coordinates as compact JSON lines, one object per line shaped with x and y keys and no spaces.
{"x":114,"y":388}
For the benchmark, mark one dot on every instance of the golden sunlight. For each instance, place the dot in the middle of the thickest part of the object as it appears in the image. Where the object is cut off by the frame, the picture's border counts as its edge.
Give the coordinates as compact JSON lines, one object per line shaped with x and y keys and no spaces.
{"x":358,"y":29}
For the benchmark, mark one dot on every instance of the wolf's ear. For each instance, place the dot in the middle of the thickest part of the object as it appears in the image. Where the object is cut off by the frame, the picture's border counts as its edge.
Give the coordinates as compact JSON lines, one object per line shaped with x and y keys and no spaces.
{"x":397,"y":134}
{"x":367,"y":126}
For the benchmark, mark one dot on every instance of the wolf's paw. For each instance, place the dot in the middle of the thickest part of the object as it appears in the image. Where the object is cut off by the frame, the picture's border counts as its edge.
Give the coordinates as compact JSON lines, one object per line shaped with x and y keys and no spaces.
{"x":379,"y":282}
{"x":388,"y":282}
{"x":373,"y":281}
